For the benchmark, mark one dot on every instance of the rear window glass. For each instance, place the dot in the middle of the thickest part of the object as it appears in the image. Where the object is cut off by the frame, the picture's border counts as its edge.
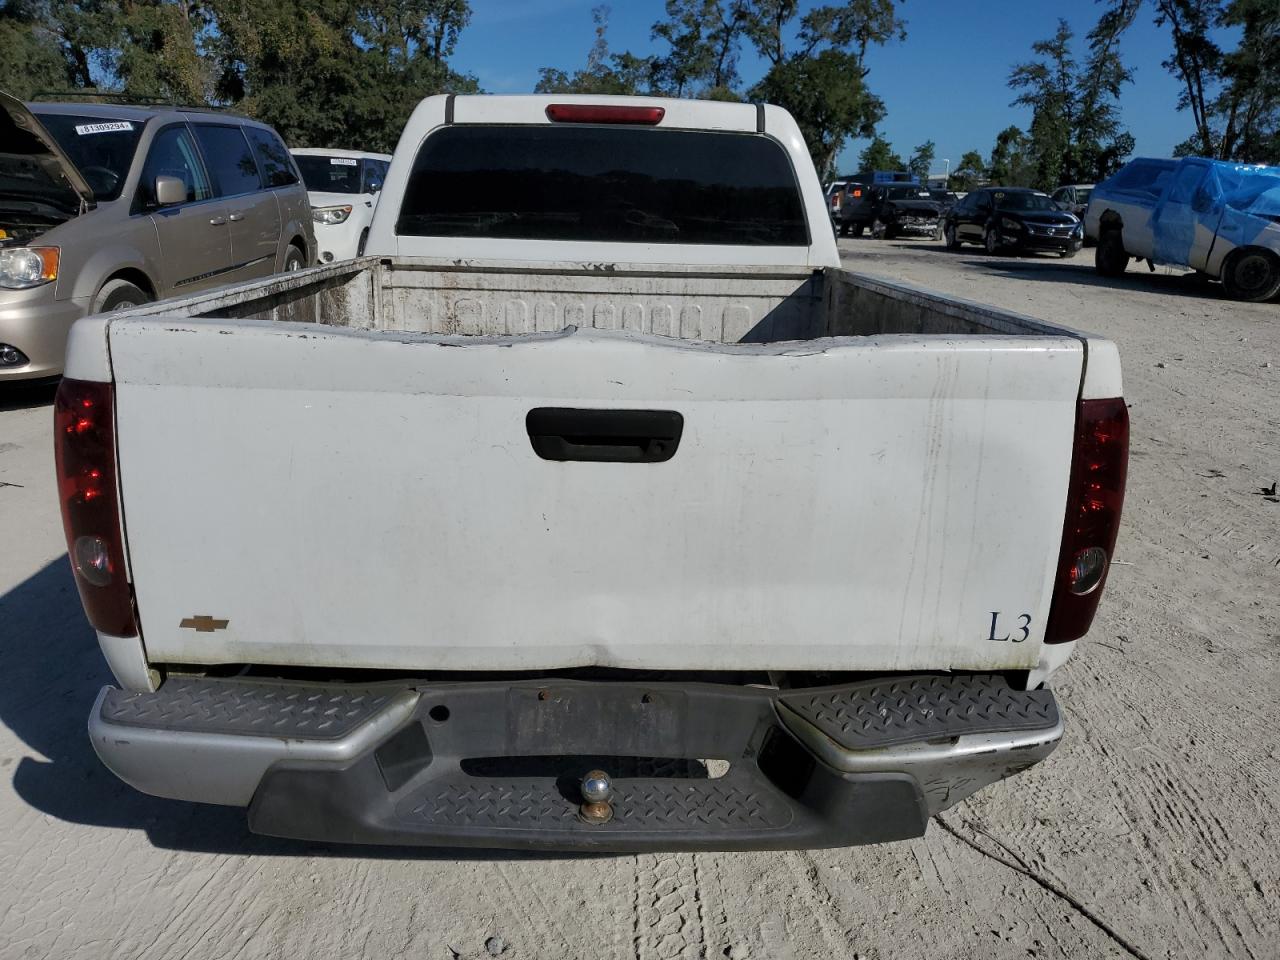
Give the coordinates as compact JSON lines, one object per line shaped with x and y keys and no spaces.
{"x":604,"y":184}
{"x":329,"y":174}
{"x":273,"y":158}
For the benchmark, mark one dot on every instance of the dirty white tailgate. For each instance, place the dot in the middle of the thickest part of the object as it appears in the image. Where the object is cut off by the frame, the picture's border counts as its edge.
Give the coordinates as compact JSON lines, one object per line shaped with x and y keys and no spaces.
{"x":373,"y":500}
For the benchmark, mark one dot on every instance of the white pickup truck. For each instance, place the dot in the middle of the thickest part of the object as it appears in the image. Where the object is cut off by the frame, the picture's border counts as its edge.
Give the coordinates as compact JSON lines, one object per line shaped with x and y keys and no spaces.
{"x":599,"y":464}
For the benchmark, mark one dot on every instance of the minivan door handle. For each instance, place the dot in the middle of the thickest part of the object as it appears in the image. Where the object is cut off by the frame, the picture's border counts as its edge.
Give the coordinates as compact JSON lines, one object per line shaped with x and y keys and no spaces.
{"x":604,"y":436}
{"x":218,"y":222}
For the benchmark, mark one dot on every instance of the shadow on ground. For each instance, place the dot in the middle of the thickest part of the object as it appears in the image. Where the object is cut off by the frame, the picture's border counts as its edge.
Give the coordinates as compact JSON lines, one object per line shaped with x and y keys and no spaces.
{"x":53,"y":671}
{"x":25,"y":396}
{"x":1079,"y":270}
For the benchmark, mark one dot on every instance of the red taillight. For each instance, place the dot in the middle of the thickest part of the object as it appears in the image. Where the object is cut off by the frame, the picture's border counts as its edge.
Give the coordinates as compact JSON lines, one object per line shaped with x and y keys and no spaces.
{"x":857,"y":193}
{"x":1094,"y":498}
{"x":592,"y":113}
{"x":85,"y":453}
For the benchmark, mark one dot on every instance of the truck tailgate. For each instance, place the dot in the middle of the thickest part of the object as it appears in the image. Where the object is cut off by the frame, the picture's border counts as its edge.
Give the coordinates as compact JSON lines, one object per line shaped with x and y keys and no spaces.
{"x":300,"y":495}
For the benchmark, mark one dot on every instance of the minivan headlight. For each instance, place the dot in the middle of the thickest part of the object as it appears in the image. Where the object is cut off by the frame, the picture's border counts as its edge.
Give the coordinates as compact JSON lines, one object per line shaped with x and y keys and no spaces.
{"x":331,"y":215}
{"x":25,"y":267}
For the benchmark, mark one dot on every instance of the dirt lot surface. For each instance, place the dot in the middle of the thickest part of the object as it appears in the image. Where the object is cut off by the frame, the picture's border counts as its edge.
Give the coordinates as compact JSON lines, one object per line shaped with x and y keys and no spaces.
{"x":1152,"y":832}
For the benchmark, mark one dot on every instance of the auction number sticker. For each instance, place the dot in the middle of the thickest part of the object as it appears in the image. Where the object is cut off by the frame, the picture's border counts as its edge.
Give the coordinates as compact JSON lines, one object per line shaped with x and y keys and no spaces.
{"x":112,"y":127}
{"x":342,"y":161}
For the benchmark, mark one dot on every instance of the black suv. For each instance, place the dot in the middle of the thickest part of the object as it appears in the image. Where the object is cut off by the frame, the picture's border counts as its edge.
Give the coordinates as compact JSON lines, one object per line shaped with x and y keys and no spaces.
{"x":889,"y":210}
{"x":1017,"y":218}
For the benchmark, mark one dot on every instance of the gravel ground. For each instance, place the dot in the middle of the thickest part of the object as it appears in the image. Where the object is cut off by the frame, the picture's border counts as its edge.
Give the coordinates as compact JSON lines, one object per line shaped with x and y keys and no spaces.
{"x":1152,"y":832}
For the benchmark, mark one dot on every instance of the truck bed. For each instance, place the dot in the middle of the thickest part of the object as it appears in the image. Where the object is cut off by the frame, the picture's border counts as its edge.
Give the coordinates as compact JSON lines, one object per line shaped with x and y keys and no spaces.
{"x":870,"y":477}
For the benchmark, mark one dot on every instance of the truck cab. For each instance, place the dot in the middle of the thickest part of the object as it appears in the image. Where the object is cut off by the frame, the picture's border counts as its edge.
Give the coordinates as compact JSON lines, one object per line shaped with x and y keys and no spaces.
{"x":1221,"y":219}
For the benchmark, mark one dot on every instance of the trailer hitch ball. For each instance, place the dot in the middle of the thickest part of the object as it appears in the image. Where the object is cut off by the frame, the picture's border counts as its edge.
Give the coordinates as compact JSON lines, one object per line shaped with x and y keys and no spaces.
{"x":597,"y":791}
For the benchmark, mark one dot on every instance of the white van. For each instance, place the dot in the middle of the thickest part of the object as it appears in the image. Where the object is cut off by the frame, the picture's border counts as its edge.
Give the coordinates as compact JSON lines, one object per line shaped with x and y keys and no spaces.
{"x":343,"y":186}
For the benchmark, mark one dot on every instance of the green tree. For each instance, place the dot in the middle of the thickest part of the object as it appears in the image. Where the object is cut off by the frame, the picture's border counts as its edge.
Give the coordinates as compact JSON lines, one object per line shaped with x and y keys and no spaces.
{"x":821,"y":80}
{"x":605,"y":72}
{"x":1075,"y":132}
{"x":1012,"y":162}
{"x":879,"y":155}
{"x":33,"y":58}
{"x":921,"y":161}
{"x":968,"y":172}
{"x":1233,"y":96}
{"x":704,"y":38}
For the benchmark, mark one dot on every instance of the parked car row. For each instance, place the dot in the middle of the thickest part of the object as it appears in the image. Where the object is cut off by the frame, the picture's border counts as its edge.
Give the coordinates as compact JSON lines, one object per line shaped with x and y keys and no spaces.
{"x":106,"y":206}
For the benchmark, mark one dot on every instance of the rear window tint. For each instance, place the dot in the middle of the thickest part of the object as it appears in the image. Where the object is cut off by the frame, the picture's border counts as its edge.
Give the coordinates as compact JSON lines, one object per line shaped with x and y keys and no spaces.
{"x":603,"y":184}
{"x":273,"y":158}
{"x":227,"y":157}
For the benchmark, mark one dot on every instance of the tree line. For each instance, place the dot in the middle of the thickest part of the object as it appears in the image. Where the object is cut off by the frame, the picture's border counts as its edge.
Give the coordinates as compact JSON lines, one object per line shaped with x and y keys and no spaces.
{"x":347,"y":73}
{"x":330,"y":73}
{"x":1075,"y":134}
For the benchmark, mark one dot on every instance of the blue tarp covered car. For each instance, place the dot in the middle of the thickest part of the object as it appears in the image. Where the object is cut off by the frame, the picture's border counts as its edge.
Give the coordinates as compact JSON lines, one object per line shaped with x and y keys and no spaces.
{"x":1220,"y":218}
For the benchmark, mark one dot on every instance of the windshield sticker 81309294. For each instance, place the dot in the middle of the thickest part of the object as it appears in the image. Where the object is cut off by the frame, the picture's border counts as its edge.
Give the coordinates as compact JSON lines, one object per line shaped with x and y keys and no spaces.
{"x":112,"y":126}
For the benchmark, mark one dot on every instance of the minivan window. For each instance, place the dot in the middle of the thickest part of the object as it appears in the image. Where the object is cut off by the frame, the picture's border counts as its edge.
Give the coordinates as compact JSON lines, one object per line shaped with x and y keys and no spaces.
{"x":273,"y":158}
{"x":603,"y":184}
{"x":174,"y":154}
{"x":229,"y":160}
{"x":102,"y":148}
{"x":329,"y":174}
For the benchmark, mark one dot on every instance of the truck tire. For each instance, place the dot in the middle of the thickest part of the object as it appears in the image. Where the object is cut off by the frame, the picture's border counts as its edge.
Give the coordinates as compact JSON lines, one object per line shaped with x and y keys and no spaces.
{"x":1251,"y":275}
{"x":857,"y":229}
{"x":1109,"y":258}
{"x":878,"y":229}
{"x":120,"y":295}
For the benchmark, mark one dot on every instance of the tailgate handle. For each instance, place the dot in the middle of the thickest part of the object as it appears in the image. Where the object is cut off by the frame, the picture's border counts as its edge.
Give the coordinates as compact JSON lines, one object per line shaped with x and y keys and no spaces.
{"x":604,"y":436}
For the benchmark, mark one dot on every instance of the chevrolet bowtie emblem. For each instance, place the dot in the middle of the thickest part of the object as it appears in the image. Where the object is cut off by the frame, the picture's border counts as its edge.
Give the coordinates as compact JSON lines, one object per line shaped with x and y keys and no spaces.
{"x":203,"y":624}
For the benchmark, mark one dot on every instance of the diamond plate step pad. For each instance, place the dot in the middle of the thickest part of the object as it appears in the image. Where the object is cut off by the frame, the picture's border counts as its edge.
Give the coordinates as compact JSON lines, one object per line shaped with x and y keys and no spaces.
{"x":883,"y":713}
{"x":658,"y":805}
{"x":264,"y":709}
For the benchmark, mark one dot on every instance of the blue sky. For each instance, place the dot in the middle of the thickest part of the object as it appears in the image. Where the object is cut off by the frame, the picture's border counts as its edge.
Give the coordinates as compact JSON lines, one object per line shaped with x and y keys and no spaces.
{"x":945,"y":83}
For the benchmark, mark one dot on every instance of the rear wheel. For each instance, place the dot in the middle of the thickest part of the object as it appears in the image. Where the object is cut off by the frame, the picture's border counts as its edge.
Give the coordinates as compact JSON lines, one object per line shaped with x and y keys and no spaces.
{"x":1109,"y":258}
{"x":953,"y":241}
{"x":990,"y":241}
{"x":857,"y":229}
{"x":844,"y":229}
{"x":877,"y":228}
{"x":120,"y":295}
{"x":1251,"y":275}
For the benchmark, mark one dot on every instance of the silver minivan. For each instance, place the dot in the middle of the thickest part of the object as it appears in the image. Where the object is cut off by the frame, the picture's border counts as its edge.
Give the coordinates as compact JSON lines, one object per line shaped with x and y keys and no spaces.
{"x":105,"y":206}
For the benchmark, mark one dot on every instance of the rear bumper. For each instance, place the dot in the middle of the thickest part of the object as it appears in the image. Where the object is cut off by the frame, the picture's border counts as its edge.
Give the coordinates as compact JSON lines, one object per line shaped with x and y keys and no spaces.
{"x":496,"y":764}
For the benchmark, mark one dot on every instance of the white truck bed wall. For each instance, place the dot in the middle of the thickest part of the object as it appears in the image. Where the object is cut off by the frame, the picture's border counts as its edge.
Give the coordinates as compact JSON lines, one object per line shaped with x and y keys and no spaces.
{"x":726,"y":304}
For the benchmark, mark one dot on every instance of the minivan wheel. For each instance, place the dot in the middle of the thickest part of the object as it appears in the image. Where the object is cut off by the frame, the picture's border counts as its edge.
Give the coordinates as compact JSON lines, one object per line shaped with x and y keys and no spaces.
{"x":120,"y":295}
{"x":990,"y":241}
{"x":953,"y":242}
{"x":1251,"y":275}
{"x":1109,"y":258}
{"x":294,"y":259}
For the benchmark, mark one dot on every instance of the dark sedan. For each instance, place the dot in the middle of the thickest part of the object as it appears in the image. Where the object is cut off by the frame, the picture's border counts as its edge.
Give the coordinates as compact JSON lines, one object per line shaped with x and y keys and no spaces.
{"x":1013,"y":218}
